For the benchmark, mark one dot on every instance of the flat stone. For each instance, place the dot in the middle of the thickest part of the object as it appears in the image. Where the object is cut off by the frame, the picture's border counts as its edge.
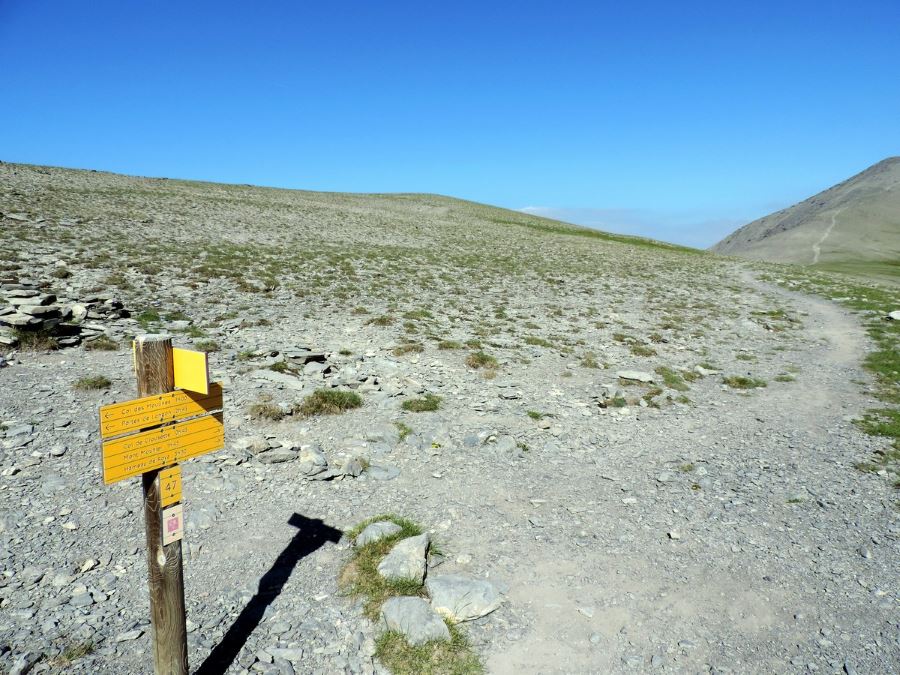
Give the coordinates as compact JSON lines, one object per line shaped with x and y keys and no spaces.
{"x":415,"y":619}
{"x":406,"y":560}
{"x":638,"y":375}
{"x":380,"y":472}
{"x":460,"y":598}
{"x":376,"y":531}
{"x":19,"y":320}
{"x":277,"y":456}
{"x":283,"y":379}
{"x":894,"y":316}
{"x":130,"y":635}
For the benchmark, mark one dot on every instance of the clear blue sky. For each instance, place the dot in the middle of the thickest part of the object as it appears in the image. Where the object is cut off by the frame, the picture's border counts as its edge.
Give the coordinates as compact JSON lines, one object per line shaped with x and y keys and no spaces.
{"x":677,"y":120}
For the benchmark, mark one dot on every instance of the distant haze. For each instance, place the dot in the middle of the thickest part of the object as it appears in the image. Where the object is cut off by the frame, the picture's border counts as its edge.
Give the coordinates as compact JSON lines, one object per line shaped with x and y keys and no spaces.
{"x":696,"y":229}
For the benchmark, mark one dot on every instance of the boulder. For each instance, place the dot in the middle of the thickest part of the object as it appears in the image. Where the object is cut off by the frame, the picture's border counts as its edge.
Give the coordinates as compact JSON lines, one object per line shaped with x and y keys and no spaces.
{"x":414,"y":619}
{"x":406,"y":560}
{"x":376,"y":531}
{"x":460,"y":598}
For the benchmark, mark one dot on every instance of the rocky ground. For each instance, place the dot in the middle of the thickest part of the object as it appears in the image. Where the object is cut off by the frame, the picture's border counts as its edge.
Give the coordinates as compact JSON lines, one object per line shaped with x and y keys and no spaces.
{"x":594,"y":455}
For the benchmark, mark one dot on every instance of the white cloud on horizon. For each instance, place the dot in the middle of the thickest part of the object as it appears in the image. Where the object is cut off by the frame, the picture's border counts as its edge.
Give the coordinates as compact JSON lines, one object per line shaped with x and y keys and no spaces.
{"x":693,"y":228}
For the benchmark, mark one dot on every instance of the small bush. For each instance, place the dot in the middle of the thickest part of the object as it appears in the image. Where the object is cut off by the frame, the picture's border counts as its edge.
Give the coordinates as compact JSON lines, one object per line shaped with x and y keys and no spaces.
{"x":35,"y":340}
{"x":449,"y":344}
{"x":207,"y":345}
{"x":433,"y":658}
{"x":534,"y":414}
{"x":672,"y":378}
{"x":428,"y":403}
{"x":92,"y":382}
{"x":741,"y":382}
{"x":408,"y":348}
{"x":589,"y":360}
{"x":102,"y":344}
{"x":383,"y":320}
{"x":481,"y":360}
{"x":642,"y":350}
{"x":266,"y":411}
{"x":328,"y":402}
{"x":404,"y":430}
{"x":537,"y":341}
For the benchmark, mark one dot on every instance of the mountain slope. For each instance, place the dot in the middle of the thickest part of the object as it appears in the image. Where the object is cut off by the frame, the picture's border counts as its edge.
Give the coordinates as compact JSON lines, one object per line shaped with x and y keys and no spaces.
{"x":855,"y":221}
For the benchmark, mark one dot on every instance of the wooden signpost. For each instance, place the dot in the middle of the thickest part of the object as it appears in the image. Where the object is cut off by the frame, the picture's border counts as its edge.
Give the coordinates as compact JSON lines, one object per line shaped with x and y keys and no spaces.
{"x":148,"y":437}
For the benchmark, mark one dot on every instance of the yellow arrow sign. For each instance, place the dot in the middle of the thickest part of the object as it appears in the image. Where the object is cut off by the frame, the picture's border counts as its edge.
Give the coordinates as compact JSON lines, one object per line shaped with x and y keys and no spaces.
{"x":121,"y":418}
{"x":151,"y":450}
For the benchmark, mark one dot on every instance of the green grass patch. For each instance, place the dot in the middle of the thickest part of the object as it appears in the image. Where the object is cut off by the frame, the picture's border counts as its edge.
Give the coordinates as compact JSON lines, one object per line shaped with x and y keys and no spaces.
{"x":642,"y":350}
{"x":449,"y":344}
{"x":92,"y":382}
{"x":35,"y":340}
{"x":672,"y":378}
{"x":537,"y":341}
{"x":433,"y":658}
{"x":589,"y":360}
{"x":428,"y":403}
{"x":265,"y":410}
{"x":535,"y":415}
{"x":404,"y":429}
{"x":102,"y":344}
{"x":383,"y":320}
{"x":207,"y":345}
{"x":480,"y":359}
{"x":742,"y":382}
{"x":328,"y":402}
{"x":408,"y":348}
{"x":359,"y":578}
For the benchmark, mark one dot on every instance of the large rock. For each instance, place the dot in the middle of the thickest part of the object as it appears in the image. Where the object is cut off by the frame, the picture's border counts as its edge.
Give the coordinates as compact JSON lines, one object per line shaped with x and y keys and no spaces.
{"x":894,"y":316}
{"x":415,"y":619}
{"x":376,"y":531}
{"x":637,"y":375}
{"x":406,"y":560}
{"x":460,"y":598}
{"x":312,"y":460}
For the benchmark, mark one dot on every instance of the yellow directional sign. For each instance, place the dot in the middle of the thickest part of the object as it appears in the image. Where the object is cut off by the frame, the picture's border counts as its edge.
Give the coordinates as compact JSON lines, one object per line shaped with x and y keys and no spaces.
{"x":151,"y":450}
{"x":130,"y":416}
{"x":169,"y":486}
{"x":191,"y":370}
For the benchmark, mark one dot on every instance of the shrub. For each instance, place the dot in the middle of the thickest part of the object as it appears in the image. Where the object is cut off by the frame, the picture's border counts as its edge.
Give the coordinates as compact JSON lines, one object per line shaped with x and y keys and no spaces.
{"x":328,"y":402}
{"x":741,"y":382}
{"x":481,"y":360}
{"x":102,"y":344}
{"x":428,"y":403}
{"x":92,"y":382}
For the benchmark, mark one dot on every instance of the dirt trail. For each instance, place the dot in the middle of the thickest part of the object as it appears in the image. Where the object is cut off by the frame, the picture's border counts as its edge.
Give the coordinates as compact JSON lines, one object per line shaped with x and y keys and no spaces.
{"x":740,"y":575}
{"x":817,"y":247}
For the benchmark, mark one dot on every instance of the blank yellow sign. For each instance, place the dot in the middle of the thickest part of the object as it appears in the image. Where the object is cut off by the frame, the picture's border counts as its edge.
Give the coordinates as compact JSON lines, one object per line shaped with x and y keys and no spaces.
{"x":191,"y":370}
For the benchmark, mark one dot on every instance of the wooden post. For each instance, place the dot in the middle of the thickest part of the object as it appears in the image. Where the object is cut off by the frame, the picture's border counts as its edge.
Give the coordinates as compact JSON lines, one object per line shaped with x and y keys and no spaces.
{"x":153,"y":367}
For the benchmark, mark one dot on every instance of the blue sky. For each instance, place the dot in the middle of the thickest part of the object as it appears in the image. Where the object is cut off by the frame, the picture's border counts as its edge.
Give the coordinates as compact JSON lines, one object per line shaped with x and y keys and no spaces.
{"x":679,"y":120}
